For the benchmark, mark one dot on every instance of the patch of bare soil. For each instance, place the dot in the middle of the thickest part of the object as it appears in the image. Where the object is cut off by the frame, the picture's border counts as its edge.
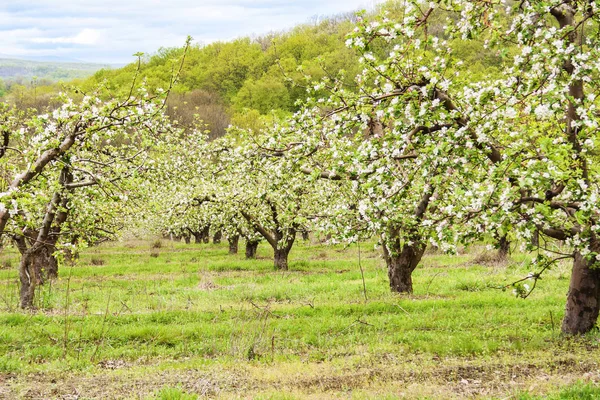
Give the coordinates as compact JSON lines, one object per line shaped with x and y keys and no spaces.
{"x":451,"y":379}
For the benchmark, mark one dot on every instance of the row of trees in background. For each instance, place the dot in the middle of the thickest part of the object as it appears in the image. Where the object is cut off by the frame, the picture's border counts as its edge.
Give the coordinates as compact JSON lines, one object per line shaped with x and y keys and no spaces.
{"x":407,"y":144}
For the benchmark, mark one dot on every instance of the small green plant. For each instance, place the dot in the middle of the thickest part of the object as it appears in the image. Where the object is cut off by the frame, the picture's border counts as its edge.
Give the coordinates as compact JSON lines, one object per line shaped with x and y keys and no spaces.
{"x":174,"y":394}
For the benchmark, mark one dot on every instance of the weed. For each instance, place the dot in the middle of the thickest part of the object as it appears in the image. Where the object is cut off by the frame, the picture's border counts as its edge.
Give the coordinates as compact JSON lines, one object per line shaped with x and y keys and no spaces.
{"x":174,"y":394}
{"x":97,"y":261}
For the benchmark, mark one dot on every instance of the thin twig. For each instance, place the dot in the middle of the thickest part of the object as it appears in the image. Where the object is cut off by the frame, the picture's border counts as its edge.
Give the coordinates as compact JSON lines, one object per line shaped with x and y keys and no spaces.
{"x":362,"y":273}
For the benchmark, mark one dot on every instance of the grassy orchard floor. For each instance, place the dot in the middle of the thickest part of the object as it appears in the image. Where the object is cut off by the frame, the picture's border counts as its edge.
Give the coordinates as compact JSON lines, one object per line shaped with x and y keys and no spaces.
{"x":160,"y":323}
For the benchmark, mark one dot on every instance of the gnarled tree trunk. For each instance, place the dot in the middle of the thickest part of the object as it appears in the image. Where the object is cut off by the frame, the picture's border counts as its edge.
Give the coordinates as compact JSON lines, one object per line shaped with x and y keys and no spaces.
{"x":197,"y":237}
{"x":281,"y":258}
{"x":401,"y":265}
{"x":49,"y":267}
{"x":29,"y":279}
{"x":251,"y":247}
{"x":206,"y":234}
{"x":233,"y":244}
{"x":503,"y":248}
{"x":217,"y":237}
{"x":583,"y":298}
{"x":37,"y":261}
{"x":37,"y":265}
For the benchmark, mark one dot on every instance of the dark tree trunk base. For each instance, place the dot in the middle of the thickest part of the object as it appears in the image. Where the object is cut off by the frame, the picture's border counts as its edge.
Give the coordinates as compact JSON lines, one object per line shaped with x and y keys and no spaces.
{"x":34,"y":269}
{"x":401,"y":266}
{"x":251,"y":248}
{"x":28,"y":279}
{"x":503,"y":248}
{"x":583,"y":298}
{"x":217,"y":237}
{"x":281,"y":259}
{"x":233,"y":244}
{"x":206,"y":234}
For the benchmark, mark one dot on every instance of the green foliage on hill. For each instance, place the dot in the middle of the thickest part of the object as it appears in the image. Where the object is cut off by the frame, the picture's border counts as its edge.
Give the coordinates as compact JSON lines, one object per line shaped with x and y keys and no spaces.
{"x":248,"y":79}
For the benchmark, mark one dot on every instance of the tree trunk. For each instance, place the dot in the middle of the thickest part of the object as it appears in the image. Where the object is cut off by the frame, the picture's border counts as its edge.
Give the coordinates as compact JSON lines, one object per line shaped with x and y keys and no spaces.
{"x":28,"y":279}
{"x":206,"y":234}
{"x":37,"y":265}
{"x":583,"y":298}
{"x":197,"y":237}
{"x":281,"y":258}
{"x":305,"y":235}
{"x":233,"y":244}
{"x":50,"y":265}
{"x":187,"y":239}
{"x":401,"y":266}
{"x":217,"y":237}
{"x":251,"y":247}
{"x":503,"y":248}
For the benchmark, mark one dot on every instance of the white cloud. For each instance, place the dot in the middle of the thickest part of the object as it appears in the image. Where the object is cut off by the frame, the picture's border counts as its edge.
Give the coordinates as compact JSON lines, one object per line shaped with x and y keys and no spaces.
{"x":110,"y":31}
{"x":86,"y":37}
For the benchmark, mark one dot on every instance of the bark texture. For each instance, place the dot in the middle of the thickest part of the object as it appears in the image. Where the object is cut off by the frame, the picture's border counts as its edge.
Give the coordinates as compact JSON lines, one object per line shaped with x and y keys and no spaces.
{"x":251,"y":247}
{"x":401,"y":265}
{"x":197,"y":237}
{"x":281,"y":258}
{"x":233,"y":244}
{"x":583,"y":298}
{"x":36,"y":267}
{"x":503,"y":248}
{"x":206,"y":234}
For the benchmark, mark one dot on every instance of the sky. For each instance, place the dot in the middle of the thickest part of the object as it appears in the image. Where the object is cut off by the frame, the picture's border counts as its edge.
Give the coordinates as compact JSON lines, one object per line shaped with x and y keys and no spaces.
{"x":111,"y":31}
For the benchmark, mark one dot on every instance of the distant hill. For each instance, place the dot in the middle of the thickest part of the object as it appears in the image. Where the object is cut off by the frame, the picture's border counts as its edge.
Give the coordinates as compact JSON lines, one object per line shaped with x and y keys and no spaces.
{"x":15,"y":70}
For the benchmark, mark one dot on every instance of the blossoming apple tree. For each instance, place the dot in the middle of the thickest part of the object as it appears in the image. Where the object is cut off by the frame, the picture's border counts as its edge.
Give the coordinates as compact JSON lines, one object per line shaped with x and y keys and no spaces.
{"x":72,"y":175}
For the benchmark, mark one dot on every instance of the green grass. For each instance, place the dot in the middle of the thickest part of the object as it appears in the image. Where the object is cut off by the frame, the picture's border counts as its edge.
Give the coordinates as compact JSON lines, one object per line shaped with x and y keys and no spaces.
{"x":194,"y":307}
{"x":578,"y":391}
